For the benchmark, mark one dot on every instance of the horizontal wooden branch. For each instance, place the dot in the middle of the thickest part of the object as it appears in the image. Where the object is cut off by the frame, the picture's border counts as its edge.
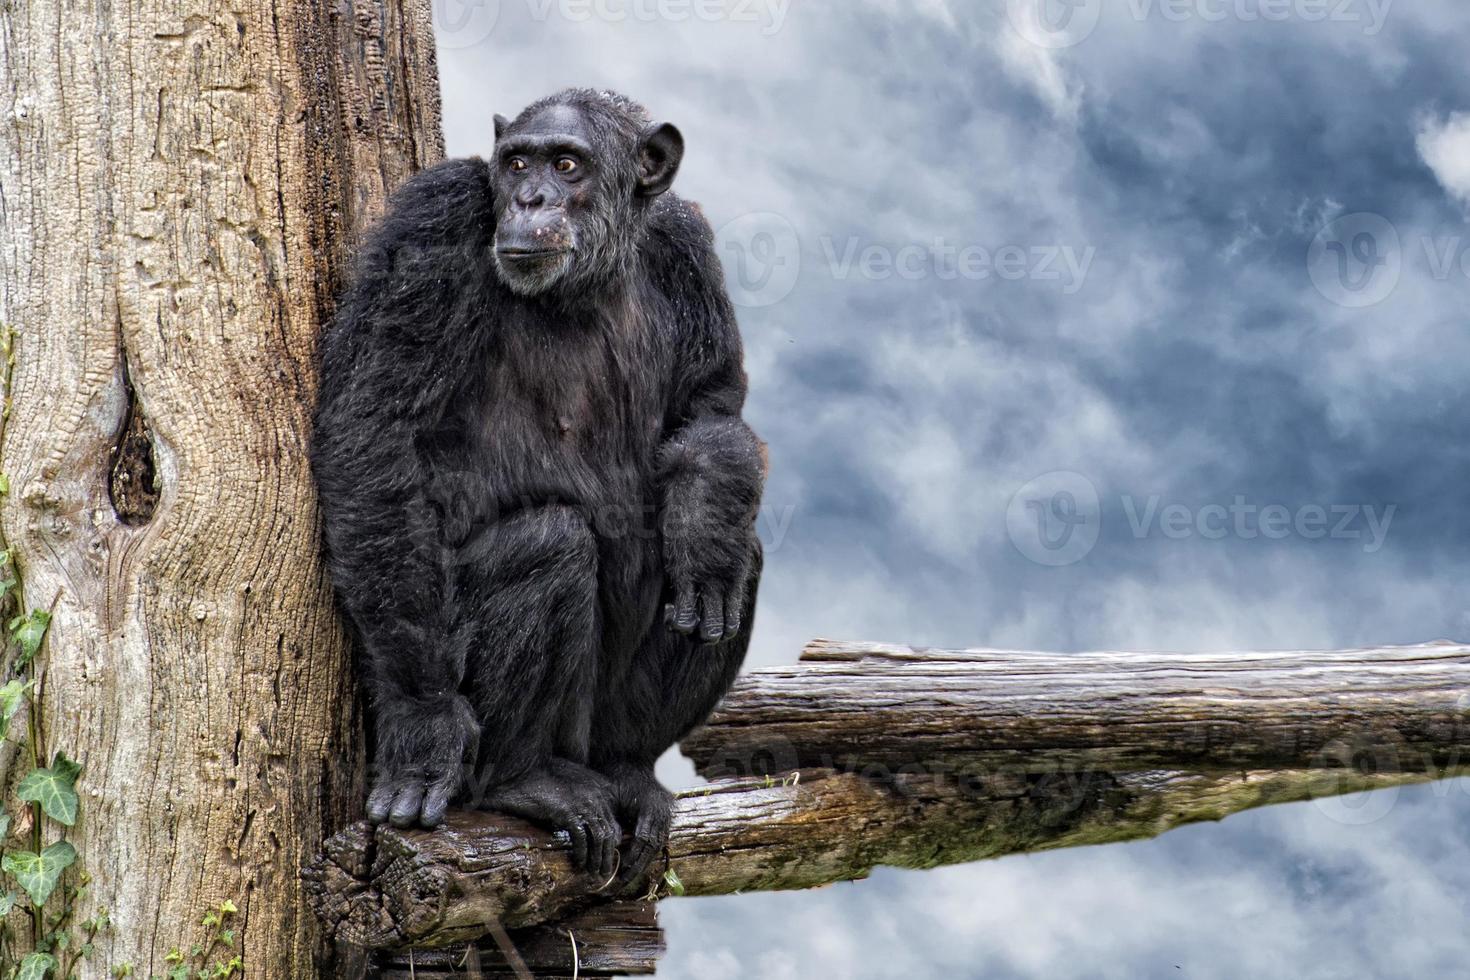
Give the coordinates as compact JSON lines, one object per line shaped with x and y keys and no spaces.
{"x":618,"y":939}
{"x":880,"y":755}
{"x":877,"y":706}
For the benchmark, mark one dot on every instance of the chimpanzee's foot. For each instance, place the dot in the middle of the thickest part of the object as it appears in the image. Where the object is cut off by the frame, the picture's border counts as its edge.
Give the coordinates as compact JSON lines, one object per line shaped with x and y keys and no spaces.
{"x":647,"y":808}
{"x":421,"y":748}
{"x":412,"y":795}
{"x":565,"y":796}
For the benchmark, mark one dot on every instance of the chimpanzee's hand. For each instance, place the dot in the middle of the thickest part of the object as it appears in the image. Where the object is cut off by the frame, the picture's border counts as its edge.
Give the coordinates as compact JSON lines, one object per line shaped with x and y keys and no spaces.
{"x":714,"y":609}
{"x":422,"y":752}
{"x":711,"y":601}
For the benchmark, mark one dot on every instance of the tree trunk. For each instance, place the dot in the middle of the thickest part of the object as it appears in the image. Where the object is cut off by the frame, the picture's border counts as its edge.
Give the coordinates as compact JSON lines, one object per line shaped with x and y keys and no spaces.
{"x":180,"y":181}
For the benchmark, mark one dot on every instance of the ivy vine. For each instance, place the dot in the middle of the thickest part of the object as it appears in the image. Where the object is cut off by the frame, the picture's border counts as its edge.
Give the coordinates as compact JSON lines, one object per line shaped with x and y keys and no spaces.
{"x":31,"y":874}
{"x":39,"y":878}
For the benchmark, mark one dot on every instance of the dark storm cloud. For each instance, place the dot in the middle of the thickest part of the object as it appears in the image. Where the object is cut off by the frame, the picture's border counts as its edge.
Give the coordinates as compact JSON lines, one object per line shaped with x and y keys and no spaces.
{"x":972,"y":263}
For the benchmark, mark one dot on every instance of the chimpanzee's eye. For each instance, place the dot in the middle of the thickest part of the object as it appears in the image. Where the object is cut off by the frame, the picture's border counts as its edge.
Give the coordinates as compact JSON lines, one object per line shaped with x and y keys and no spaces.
{"x":517,"y":164}
{"x":565,"y":165}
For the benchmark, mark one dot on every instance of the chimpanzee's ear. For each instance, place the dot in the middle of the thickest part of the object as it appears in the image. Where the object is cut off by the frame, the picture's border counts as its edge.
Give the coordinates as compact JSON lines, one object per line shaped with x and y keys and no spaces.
{"x":659,"y":152}
{"x":500,"y":123}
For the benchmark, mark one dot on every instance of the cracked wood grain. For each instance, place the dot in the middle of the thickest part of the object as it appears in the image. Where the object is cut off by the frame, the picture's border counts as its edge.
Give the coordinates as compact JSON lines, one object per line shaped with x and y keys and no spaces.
{"x":180,"y":182}
{"x":851,"y":705}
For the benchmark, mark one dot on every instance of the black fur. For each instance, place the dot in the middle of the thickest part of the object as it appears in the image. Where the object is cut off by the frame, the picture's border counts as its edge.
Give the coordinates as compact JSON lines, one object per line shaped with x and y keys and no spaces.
{"x":539,"y":494}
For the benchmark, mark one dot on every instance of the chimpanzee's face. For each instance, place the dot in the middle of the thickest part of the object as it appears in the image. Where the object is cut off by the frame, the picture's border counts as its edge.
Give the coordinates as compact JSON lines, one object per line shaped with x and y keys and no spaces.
{"x":569,"y":194}
{"x":554,"y":198}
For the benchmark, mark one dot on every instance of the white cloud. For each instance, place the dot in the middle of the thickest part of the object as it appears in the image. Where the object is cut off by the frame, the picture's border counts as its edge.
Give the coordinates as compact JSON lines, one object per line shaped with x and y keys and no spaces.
{"x":1040,"y":70}
{"x":1445,"y":146}
{"x":936,"y":10}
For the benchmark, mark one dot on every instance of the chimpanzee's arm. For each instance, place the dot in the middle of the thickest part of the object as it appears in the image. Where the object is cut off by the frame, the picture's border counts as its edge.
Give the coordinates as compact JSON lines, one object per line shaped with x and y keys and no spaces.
{"x":399,"y":344}
{"x":712,"y":466}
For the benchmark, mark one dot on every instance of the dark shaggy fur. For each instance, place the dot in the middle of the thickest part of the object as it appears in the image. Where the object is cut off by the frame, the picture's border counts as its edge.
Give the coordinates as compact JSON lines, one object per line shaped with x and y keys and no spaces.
{"x":538,"y":491}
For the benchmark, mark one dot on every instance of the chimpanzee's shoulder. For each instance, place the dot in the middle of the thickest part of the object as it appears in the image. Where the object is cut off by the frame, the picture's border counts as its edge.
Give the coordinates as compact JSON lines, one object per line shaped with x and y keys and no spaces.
{"x":450,"y":200}
{"x":679,"y":225}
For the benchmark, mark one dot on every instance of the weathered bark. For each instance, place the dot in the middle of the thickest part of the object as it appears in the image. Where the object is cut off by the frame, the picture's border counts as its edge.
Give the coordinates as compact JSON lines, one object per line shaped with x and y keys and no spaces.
{"x":880,"y":706}
{"x":1093,"y":748}
{"x":179,"y":181}
{"x":619,"y":939}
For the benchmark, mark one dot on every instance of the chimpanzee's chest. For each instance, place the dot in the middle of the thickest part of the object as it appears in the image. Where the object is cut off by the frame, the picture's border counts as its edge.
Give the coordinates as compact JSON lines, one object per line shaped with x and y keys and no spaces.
{"x":577,"y":411}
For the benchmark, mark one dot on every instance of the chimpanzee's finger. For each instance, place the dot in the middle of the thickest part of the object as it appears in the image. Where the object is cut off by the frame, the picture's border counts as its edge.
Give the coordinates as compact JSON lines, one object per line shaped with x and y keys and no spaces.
{"x":685,"y":616}
{"x":640,"y":855}
{"x":606,"y":834}
{"x":711,"y":616}
{"x":380,"y":800}
{"x":649,"y":838}
{"x":578,"y":834}
{"x":406,"y":804}
{"x":734,"y":610}
{"x":436,"y":801}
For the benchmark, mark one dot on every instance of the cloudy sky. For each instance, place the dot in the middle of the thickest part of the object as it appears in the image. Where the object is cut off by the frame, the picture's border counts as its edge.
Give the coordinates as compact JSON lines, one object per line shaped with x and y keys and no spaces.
{"x":1131,"y":324}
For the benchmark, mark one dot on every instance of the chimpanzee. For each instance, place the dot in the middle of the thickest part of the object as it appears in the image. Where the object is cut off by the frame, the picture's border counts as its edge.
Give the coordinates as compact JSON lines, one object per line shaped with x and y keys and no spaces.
{"x":539,"y":494}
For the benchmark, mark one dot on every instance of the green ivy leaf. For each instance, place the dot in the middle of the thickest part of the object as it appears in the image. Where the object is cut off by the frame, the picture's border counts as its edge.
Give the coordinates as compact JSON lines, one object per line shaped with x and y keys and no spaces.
{"x":29,"y":632}
{"x":12,"y":696}
{"x":68,"y":769}
{"x":54,"y":789}
{"x":38,"y":873}
{"x":7,"y":902}
{"x":36,"y":966}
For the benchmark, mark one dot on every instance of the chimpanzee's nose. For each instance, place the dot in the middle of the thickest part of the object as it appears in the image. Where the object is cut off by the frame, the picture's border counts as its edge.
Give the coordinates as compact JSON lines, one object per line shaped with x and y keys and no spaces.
{"x":531,"y":195}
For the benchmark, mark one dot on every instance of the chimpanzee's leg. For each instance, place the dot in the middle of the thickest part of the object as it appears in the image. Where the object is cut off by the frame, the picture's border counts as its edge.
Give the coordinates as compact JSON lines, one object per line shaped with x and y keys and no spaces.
{"x":528,"y":585}
{"x":671,"y":684}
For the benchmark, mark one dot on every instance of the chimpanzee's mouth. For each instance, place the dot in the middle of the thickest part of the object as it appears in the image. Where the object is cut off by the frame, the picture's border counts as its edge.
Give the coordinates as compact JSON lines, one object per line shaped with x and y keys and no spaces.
{"x":519,"y":254}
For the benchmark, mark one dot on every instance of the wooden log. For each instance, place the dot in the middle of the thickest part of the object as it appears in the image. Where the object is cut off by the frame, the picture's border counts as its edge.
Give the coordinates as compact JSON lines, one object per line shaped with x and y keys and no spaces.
{"x":1129,"y":746}
{"x":620,"y":939}
{"x":874,"y":707}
